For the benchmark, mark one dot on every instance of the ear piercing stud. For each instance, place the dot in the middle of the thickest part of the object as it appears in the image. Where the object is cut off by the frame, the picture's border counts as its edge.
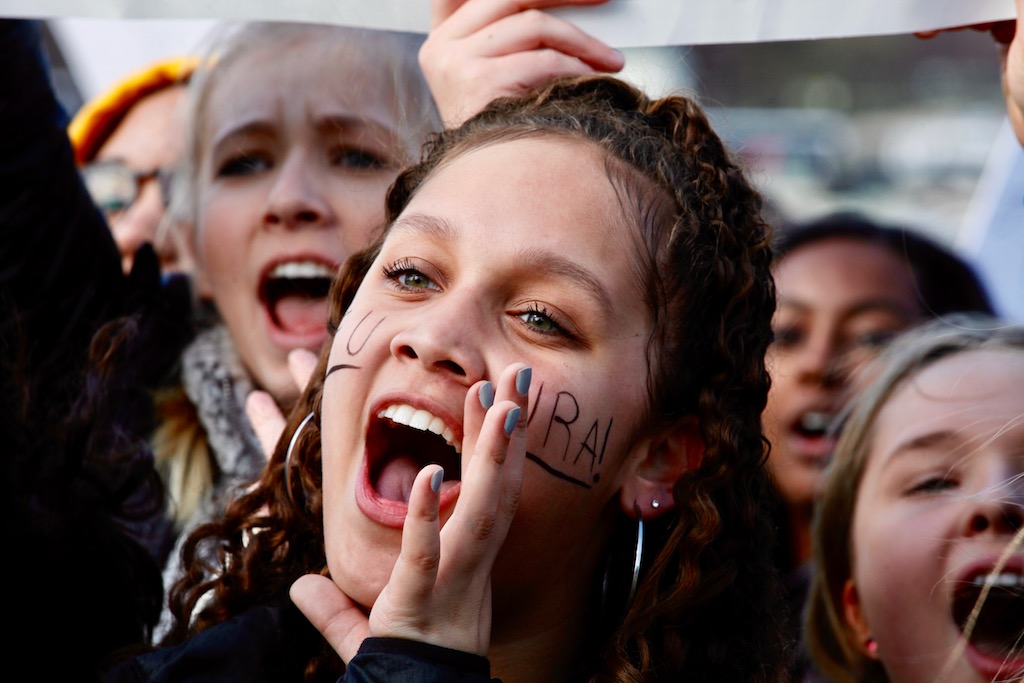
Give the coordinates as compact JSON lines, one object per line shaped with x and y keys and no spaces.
{"x":655,"y":504}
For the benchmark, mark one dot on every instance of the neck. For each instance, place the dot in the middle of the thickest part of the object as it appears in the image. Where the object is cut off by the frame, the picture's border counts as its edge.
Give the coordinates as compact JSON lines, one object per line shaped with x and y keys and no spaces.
{"x":550,"y":652}
{"x":800,"y":517}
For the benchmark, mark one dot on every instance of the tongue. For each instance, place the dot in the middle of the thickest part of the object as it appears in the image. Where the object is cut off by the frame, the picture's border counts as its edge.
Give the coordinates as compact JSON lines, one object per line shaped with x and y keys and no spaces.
{"x":394,"y":482}
{"x":301,"y":315}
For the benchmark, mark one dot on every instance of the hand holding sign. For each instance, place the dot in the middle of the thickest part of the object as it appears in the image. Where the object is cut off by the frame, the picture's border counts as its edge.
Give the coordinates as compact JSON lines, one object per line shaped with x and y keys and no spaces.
{"x":481,"y":49}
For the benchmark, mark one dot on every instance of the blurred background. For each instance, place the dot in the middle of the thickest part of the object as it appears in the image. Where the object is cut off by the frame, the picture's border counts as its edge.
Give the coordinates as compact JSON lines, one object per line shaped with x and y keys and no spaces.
{"x":907,"y":130}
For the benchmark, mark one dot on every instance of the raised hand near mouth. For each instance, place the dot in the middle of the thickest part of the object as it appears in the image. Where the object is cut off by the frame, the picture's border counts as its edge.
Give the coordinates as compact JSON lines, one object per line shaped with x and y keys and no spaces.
{"x":481,"y":49}
{"x":440,"y":588}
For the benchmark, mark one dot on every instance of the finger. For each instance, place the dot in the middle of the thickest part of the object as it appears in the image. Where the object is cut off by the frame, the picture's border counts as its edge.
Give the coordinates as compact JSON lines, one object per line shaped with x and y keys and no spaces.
{"x":301,"y":363}
{"x":531,"y":68}
{"x":415,"y":571}
{"x":335,"y":616}
{"x":440,"y":10}
{"x":479,"y":400}
{"x":524,"y":33}
{"x":474,"y":15}
{"x":266,"y":419}
{"x":486,"y":503}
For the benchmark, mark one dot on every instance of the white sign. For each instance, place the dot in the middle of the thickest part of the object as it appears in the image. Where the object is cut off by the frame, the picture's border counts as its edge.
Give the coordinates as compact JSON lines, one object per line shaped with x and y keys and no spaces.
{"x":621,"y":23}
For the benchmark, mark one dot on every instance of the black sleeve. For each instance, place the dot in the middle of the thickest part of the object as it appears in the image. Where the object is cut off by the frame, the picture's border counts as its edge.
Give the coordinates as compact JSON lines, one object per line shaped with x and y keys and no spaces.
{"x":407,"y":661}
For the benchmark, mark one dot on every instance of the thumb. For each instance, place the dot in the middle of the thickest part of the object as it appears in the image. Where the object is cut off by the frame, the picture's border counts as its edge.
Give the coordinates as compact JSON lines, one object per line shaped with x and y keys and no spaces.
{"x":338,"y":619}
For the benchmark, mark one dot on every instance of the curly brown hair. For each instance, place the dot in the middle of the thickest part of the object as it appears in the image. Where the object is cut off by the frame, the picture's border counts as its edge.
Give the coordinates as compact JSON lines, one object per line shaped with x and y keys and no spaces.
{"x":708,"y":602}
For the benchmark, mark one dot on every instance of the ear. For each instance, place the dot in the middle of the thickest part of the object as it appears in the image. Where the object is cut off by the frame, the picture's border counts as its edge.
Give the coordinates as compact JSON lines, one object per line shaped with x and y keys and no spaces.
{"x":658,"y":465}
{"x":857,"y":625}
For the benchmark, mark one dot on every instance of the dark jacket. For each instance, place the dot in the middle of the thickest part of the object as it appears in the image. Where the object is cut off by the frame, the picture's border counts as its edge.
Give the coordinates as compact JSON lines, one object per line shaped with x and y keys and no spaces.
{"x":271,"y":643}
{"x":81,"y":505}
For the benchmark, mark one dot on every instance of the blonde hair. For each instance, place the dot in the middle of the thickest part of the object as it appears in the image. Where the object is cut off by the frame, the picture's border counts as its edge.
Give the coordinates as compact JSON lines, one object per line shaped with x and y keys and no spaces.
{"x":829,"y":640}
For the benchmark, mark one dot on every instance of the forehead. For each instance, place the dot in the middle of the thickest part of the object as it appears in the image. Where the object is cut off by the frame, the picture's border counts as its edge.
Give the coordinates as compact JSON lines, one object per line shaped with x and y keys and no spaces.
{"x":305,"y":77}
{"x":841,"y":273}
{"x":150,"y":133}
{"x":552,"y":191}
{"x":975,"y":394}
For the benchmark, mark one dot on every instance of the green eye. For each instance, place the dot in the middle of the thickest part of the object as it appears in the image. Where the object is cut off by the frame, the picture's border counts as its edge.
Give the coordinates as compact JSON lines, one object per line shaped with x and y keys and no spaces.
{"x":539,"y":321}
{"x":414,"y":280}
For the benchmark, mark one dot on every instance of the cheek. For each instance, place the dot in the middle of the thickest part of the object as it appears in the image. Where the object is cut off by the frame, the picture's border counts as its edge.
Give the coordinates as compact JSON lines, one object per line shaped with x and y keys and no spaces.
{"x":223,"y":221}
{"x":897,"y":569}
{"x":360,"y":210}
{"x":575,"y":437}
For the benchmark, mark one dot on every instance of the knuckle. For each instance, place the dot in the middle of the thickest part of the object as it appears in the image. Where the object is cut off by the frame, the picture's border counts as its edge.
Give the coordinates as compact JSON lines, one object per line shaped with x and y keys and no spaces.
{"x":481,"y":526}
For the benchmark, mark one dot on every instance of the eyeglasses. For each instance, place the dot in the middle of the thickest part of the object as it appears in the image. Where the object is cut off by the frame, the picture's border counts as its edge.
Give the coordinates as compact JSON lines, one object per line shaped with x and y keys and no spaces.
{"x":115,"y":187}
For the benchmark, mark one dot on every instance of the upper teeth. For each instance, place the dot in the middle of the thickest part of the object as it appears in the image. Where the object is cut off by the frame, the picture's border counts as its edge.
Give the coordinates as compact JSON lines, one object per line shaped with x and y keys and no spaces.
{"x":301,"y":269}
{"x":422,"y":420}
{"x":1002,"y":580}
{"x":816,"y":421}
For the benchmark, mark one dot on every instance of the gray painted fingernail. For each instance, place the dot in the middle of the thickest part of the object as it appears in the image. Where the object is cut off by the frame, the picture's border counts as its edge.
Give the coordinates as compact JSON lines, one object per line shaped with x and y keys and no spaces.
{"x":486,"y":395}
{"x":511,"y":419}
{"x":435,"y":480}
{"x":523,"y":378}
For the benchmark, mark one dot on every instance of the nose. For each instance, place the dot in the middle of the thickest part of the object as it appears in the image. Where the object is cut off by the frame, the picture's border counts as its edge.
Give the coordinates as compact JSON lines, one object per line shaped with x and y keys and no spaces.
{"x":444,"y":340}
{"x":999,"y":509}
{"x":820,"y":361}
{"x":297,"y":198}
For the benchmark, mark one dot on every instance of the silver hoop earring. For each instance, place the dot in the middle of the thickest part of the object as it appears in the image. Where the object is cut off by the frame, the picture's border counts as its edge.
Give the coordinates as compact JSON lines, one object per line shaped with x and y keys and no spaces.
{"x":288,"y":457}
{"x":638,"y":552}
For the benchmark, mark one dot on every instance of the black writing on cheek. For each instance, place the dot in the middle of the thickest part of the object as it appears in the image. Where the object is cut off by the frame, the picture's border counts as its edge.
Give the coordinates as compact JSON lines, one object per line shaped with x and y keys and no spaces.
{"x":565,"y":413}
{"x":564,"y":420}
{"x":589,"y":445}
{"x":555,"y":473}
{"x":340,"y":366}
{"x":536,"y":405}
{"x":362,"y":344}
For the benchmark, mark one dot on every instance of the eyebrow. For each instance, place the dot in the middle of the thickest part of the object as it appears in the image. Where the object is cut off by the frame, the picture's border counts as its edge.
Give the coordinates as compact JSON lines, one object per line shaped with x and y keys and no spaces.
{"x":532,"y":258}
{"x":861,"y":307}
{"x":326,"y":124}
{"x":921,"y":442}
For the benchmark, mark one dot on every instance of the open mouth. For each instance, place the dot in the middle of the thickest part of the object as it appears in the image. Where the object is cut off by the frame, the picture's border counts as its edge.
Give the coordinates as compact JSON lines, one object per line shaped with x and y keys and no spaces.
{"x":295,"y":294}
{"x":813,"y":424}
{"x":996,"y":630}
{"x":403,"y":440}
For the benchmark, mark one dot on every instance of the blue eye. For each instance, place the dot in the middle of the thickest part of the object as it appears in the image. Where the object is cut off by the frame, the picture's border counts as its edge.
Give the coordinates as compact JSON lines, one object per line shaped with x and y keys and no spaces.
{"x":243,"y":165}
{"x":358,"y":159}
